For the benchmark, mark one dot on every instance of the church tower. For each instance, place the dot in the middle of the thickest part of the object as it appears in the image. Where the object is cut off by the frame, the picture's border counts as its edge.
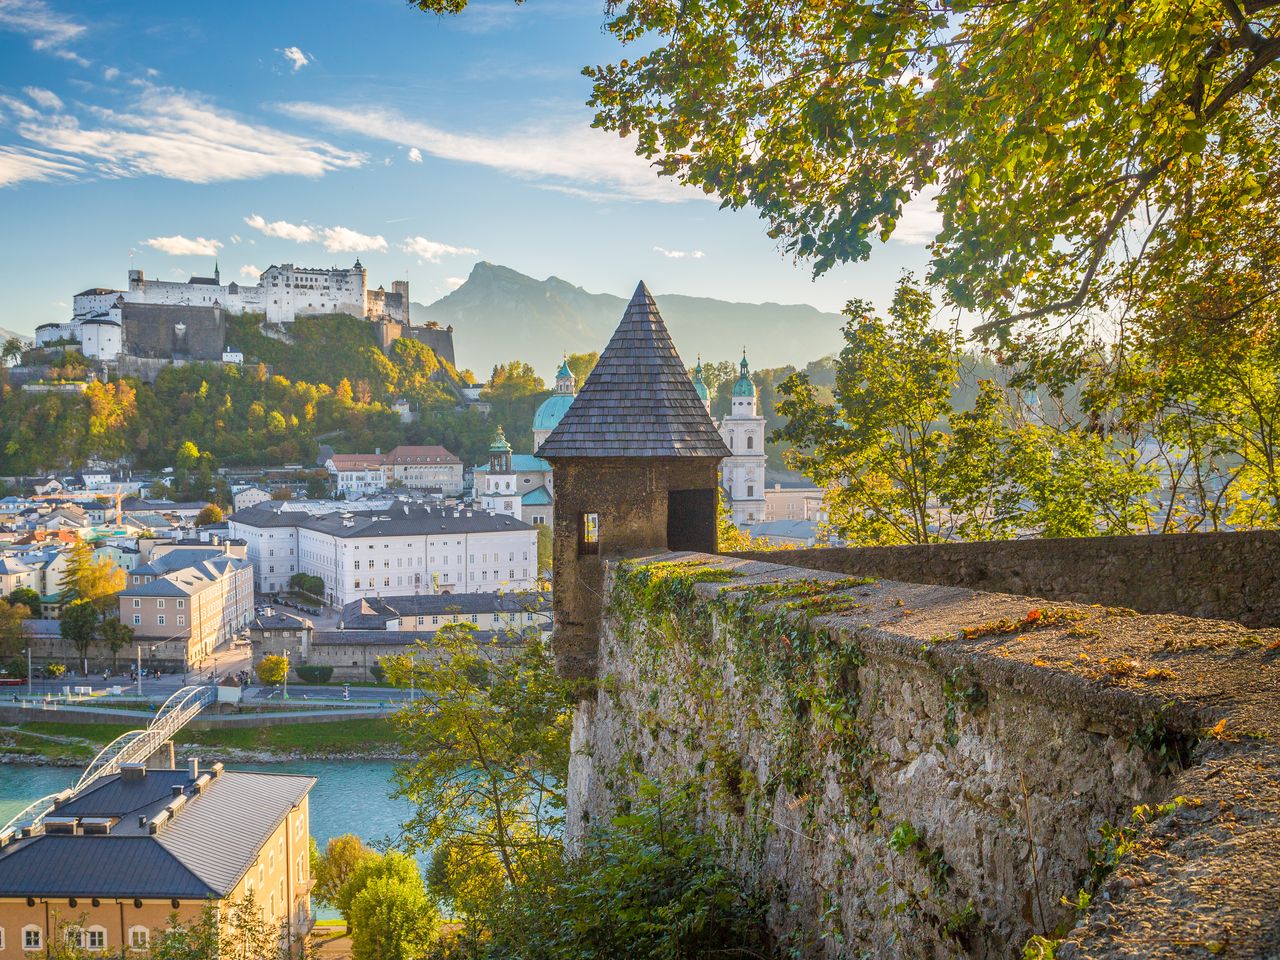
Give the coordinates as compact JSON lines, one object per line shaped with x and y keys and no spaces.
{"x":701,"y":387}
{"x":742,"y":474}
{"x":499,"y":493}
{"x":635,"y":461}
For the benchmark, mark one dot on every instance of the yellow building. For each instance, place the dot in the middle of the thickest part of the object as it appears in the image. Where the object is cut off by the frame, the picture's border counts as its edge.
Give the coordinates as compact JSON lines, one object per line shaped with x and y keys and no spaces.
{"x":112,"y":865}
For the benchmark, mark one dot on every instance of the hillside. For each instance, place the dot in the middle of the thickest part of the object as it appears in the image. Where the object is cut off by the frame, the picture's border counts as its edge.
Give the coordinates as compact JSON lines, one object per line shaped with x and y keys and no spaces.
{"x":499,"y":314}
{"x":6,"y":334}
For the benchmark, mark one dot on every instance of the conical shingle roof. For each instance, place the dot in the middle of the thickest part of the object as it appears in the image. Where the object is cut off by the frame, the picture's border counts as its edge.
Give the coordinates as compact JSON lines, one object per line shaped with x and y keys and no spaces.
{"x":639,"y":400}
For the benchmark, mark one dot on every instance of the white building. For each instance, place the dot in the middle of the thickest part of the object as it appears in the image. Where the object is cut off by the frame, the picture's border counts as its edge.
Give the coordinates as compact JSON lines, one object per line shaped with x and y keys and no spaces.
{"x":742,"y":473}
{"x":196,"y":292}
{"x":242,"y":498}
{"x":402,"y":550}
{"x":289,"y":291}
{"x":414,"y":467}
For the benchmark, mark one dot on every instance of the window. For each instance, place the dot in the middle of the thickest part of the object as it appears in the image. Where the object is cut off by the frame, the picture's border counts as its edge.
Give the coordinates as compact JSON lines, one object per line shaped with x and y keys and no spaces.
{"x":182,"y":621}
{"x":95,"y":938}
{"x":139,"y":938}
{"x":136,"y":602}
{"x":137,"y":620}
{"x":160,"y":620}
{"x":751,"y":441}
{"x":32,"y":938}
{"x":588,"y":534}
{"x":159,"y":604}
{"x":386,"y":581}
{"x":181,"y":604}
{"x":751,"y":491}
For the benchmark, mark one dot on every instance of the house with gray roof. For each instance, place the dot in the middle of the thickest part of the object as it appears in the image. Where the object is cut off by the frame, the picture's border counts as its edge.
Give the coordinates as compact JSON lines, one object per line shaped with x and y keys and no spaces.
{"x":111,"y":865}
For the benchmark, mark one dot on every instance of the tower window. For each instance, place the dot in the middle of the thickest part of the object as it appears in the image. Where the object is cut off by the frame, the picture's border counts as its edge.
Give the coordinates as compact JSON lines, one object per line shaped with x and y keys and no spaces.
{"x":588,"y":534}
{"x":751,"y":441}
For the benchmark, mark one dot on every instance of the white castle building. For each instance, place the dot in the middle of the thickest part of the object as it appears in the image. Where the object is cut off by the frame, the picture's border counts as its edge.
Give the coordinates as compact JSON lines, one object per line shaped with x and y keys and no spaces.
{"x":742,"y":473}
{"x":283,"y":293}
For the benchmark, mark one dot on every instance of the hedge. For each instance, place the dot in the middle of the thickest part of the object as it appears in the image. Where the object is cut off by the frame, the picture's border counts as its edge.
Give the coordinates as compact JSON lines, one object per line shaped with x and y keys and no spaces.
{"x":314,"y":674}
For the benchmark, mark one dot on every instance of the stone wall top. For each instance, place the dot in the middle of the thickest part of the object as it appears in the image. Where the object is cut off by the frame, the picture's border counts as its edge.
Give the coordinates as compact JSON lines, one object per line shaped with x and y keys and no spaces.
{"x":1227,"y":576}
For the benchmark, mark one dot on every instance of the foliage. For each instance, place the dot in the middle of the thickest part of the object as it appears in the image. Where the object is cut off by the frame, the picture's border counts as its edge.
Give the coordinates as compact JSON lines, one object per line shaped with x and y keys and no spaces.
{"x":490,"y":742}
{"x":314,"y":674}
{"x":515,"y":392}
{"x":16,"y":667}
{"x":272,"y":670}
{"x":79,"y":626}
{"x":392,"y":919}
{"x":86,"y":578}
{"x":308,"y":584}
{"x":209,"y":515}
{"x":12,"y":632}
{"x":581,"y":365}
{"x":545,"y":552}
{"x":903,"y":465}
{"x":26,"y":596}
{"x":391,"y":865}
{"x":116,"y":636}
{"x":333,"y":868}
{"x":648,"y":886}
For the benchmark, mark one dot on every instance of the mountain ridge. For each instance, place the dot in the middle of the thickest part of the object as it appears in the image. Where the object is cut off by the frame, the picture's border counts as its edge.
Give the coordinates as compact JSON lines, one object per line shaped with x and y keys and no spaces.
{"x":500,"y":314}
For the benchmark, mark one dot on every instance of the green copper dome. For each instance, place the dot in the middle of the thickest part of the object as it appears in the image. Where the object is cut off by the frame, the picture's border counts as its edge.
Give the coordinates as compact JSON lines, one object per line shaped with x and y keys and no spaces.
{"x":551,"y":411}
{"x":697,"y":382}
{"x":499,"y":444}
{"x":744,"y":387}
{"x":564,"y":370}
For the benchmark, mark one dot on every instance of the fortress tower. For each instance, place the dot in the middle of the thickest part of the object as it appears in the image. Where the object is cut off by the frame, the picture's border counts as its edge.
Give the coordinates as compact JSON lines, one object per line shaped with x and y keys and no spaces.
{"x":635,"y":460}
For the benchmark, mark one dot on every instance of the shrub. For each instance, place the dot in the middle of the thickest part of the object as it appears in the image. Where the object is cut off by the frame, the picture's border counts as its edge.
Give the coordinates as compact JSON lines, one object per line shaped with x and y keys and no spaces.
{"x":17,"y":667}
{"x":379,"y":674}
{"x":272,"y":670}
{"x":314,"y":674}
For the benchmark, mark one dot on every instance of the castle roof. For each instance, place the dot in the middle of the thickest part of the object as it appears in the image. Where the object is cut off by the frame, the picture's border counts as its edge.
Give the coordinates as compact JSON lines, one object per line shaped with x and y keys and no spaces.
{"x":639,"y":400}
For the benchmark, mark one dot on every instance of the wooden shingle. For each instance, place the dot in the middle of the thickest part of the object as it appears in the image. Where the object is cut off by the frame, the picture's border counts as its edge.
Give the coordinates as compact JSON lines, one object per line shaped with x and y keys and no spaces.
{"x":639,"y":400}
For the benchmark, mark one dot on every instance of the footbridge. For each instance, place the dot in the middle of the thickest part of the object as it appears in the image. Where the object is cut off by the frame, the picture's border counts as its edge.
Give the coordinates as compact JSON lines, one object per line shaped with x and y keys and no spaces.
{"x":136,"y":746}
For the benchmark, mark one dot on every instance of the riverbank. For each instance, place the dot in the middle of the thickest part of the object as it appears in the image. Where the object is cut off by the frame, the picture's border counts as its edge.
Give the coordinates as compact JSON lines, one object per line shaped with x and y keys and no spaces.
{"x":59,"y":744}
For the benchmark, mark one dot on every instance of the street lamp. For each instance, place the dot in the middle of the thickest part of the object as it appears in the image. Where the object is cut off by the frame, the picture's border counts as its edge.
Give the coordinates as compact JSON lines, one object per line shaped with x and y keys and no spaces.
{"x":28,"y":653}
{"x":286,"y":675}
{"x":153,"y":658}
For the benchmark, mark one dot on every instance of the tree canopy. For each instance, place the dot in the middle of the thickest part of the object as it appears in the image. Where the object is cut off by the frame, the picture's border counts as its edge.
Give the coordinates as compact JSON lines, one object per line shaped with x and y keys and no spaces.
{"x":1080,"y":155}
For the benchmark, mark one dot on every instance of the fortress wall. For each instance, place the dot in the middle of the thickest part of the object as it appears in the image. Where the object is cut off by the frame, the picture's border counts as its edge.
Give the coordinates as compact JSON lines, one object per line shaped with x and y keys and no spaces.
{"x":1229,"y":576}
{"x":910,"y":770}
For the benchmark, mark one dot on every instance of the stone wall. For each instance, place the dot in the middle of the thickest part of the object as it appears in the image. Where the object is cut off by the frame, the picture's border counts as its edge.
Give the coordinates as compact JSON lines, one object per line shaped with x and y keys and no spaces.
{"x":1230,"y":576}
{"x":909,"y":770}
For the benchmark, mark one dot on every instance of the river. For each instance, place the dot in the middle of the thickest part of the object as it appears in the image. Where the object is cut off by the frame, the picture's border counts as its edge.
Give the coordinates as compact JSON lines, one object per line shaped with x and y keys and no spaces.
{"x":350,"y":796}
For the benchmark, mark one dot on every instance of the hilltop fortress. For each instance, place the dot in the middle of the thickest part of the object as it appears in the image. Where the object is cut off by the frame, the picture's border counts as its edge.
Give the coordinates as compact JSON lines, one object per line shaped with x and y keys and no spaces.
{"x":184,"y":320}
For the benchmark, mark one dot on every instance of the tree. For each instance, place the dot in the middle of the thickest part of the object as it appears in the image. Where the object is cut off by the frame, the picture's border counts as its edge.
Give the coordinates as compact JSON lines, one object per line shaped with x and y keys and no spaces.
{"x":272,"y":670}
{"x":581,"y":365}
{"x":238,"y":932}
{"x":545,"y":541}
{"x":87,"y":578}
{"x":502,"y":716}
{"x":25,"y":596}
{"x":12,"y":350}
{"x":209,"y":515}
{"x":79,"y":626}
{"x":392,"y":919}
{"x":117,"y":636}
{"x":12,"y":631}
{"x":333,"y":868}
{"x":282,"y":493}
{"x":390,"y":865}
{"x":307,"y":583}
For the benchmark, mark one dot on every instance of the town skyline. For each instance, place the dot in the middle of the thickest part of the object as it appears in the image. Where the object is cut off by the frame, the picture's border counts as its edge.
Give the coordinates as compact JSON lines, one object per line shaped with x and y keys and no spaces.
{"x":420,"y":144}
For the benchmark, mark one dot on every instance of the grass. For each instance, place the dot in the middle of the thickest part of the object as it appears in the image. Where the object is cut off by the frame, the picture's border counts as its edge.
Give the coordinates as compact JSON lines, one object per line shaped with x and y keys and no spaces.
{"x":83,"y":740}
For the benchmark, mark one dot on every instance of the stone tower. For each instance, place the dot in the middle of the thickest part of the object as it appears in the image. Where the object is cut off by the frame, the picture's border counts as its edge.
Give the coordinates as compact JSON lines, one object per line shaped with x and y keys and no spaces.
{"x":635,"y":460}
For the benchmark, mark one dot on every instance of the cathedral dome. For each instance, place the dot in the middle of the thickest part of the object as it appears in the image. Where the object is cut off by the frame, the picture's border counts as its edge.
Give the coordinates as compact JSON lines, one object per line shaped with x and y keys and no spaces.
{"x":551,"y":411}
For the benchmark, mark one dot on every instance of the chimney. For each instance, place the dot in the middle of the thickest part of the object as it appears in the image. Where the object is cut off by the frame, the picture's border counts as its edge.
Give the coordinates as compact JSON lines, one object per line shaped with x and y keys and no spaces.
{"x":193,"y":768}
{"x":132,"y":772}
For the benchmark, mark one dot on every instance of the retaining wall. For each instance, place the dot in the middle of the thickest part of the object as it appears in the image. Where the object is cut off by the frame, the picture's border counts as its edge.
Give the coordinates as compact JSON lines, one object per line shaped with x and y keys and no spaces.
{"x":910,"y":770}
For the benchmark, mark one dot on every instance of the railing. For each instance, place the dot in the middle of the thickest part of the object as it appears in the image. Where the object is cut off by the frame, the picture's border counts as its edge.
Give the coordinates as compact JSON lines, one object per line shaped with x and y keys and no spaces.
{"x":136,"y":746}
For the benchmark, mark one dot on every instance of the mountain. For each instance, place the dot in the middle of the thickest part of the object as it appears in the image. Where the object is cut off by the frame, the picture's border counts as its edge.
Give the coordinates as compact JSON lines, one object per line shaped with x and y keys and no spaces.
{"x":499,"y":314}
{"x":6,"y":334}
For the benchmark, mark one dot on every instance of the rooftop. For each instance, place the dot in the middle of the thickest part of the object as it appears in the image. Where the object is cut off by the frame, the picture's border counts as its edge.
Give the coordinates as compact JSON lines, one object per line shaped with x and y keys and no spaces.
{"x":639,"y":400}
{"x":373,"y":612}
{"x":400,"y":520}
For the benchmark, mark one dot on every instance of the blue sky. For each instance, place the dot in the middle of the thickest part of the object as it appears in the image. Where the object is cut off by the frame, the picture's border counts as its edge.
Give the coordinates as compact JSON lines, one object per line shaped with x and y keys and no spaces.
{"x":313,"y":132}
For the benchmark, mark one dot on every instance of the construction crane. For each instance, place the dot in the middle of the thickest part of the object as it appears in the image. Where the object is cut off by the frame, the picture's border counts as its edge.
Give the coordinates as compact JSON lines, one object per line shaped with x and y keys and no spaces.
{"x":136,"y":746}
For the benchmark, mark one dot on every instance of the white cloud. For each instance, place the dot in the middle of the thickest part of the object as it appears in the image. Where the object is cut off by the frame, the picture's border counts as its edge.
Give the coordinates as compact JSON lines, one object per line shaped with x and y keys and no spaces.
{"x":297,"y":232}
{"x":44,"y":98}
{"x":415,"y":155}
{"x":430,"y":251}
{"x":234,"y":238}
{"x":180,"y":246}
{"x":569,"y":156}
{"x":50,"y":31}
{"x":17,"y":165}
{"x":346,"y":240}
{"x":296,"y":57}
{"x":178,"y":135}
{"x":453,"y":283}
{"x":110,"y":74}
{"x":680,"y":254}
{"x":921,"y":220}
{"x":335,"y":239}
{"x":250,"y":272}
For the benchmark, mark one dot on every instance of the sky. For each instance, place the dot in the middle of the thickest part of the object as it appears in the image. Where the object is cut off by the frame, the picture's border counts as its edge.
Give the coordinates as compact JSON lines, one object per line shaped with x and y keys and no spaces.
{"x":170,"y":135}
